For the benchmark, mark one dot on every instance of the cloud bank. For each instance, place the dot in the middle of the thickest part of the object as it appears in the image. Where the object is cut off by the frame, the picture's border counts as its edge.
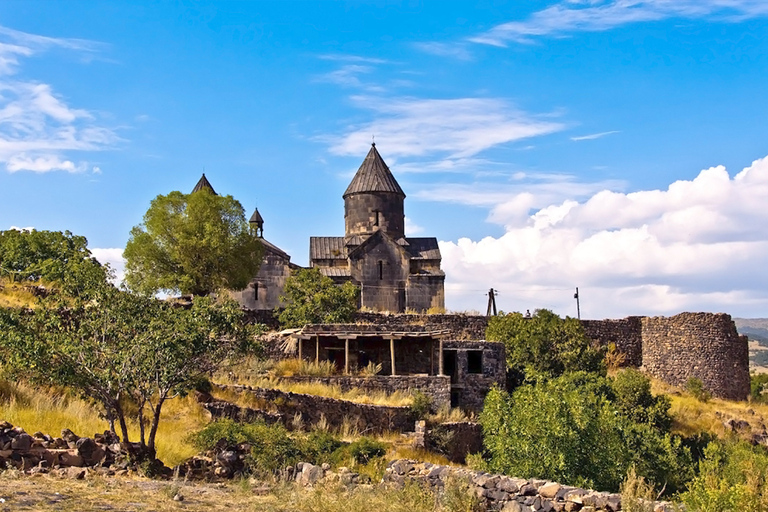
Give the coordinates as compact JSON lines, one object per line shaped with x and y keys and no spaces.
{"x":38,"y":129}
{"x":699,"y":245}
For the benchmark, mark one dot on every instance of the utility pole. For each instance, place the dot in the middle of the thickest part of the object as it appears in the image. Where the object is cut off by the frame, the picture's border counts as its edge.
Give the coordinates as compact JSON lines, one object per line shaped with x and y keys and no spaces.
{"x":578,"y":308}
{"x":491,"y":302}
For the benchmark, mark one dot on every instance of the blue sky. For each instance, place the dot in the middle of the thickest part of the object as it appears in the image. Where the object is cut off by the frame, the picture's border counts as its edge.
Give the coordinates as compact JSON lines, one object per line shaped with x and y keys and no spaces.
{"x":618,"y":146}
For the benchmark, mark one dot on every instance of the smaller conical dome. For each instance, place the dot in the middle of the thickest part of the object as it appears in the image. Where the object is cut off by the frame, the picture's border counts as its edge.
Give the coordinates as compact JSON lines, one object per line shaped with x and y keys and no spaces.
{"x":203,"y":183}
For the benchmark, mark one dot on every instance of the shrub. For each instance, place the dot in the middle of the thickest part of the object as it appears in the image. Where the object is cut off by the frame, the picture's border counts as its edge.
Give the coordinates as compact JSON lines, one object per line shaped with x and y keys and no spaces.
{"x":361,"y":451}
{"x":567,"y":430}
{"x":637,"y":495}
{"x":633,"y":398}
{"x":696,"y":388}
{"x":732,"y":476}
{"x":758,"y":384}
{"x":421,"y":405}
{"x":544,"y":345}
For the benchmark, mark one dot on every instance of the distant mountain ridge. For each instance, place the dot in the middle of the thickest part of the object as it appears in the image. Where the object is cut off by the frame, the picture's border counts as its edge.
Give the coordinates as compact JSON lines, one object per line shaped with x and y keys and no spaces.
{"x":756,"y":329}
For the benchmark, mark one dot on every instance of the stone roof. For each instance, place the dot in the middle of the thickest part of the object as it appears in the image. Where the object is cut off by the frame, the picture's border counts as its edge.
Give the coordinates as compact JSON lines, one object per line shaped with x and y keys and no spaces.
{"x":327,"y":248}
{"x":373,"y":176}
{"x":335,"y":247}
{"x":336,"y":271}
{"x":269,"y":246}
{"x":256,"y":217}
{"x":203,"y":183}
{"x":423,"y":248}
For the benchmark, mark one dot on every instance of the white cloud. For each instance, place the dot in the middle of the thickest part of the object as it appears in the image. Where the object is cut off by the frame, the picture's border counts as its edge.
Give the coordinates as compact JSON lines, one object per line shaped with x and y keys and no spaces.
{"x":455,"y":50}
{"x":112,"y":257}
{"x":593,"y":136}
{"x":700,"y":244}
{"x":458,"y":128}
{"x":599,"y":15}
{"x":37,"y":127}
{"x":412,"y":228}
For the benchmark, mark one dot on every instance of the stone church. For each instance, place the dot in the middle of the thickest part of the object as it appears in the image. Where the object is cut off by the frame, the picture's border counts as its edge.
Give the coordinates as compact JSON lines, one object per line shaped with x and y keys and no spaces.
{"x":394,"y":272}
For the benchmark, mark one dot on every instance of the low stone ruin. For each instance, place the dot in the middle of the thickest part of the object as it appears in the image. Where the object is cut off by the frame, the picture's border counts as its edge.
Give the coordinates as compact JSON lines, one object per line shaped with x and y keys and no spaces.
{"x":508,"y":494}
{"x":69,"y":455}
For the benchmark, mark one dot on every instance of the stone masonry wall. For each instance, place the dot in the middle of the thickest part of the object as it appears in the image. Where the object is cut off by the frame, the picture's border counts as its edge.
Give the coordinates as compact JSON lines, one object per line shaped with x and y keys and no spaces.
{"x":462,"y":327}
{"x":366,"y":417}
{"x":437,"y":387}
{"x":625,"y":333}
{"x":702,"y":345}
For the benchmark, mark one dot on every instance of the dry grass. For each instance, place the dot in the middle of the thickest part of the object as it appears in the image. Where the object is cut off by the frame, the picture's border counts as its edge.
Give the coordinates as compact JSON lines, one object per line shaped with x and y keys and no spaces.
{"x":132,"y":493}
{"x":16,"y":295}
{"x":692,"y":416}
{"x":398,"y":398}
{"x":51,"y":410}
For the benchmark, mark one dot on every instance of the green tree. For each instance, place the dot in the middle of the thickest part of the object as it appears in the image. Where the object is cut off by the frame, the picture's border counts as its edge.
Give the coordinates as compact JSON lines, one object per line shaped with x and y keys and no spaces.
{"x":544,"y":345}
{"x":312,"y":298}
{"x":192,"y":243}
{"x":51,"y":256}
{"x":114,"y":346}
{"x":568,"y":429}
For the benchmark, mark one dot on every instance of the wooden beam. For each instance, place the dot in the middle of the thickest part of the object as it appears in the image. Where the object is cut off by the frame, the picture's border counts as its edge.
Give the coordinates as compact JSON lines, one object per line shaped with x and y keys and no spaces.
{"x":346,"y":357}
{"x":392,"y":354}
{"x":317,"y":349}
{"x":300,"y":342}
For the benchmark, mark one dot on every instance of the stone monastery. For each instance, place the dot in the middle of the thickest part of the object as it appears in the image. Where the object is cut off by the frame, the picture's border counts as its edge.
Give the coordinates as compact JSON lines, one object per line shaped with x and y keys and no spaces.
{"x":394,"y":272}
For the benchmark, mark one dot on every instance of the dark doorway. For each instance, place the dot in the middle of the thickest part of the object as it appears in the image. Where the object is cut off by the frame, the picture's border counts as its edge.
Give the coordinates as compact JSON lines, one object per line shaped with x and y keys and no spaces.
{"x":474,"y":361}
{"x":337,"y":357}
{"x":449,"y":365}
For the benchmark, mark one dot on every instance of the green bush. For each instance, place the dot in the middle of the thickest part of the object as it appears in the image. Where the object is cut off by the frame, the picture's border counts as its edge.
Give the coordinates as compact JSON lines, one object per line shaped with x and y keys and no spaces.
{"x":695,"y":387}
{"x":732,"y":477}
{"x":633,"y":398}
{"x":421,"y":405}
{"x":758,"y":384}
{"x":568,"y":430}
{"x":361,"y":451}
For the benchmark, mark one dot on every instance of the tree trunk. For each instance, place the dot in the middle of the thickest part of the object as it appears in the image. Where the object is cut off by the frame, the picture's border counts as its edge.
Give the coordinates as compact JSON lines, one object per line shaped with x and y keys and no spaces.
{"x":121,"y":419}
{"x":155,"y":423}
{"x":141,"y":423}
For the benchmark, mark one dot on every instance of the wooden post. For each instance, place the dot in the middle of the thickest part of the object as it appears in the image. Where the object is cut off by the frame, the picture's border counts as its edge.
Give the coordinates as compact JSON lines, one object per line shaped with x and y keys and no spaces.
{"x":392,"y":354}
{"x":299,"y":341}
{"x":440,"y":358}
{"x":317,"y":349}
{"x":346,"y":356}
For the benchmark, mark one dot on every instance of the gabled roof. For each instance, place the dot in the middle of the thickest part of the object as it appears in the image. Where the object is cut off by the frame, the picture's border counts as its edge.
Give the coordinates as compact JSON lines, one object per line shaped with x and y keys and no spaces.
{"x":373,"y":176}
{"x":423,"y":248}
{"x":376,"y":238}
{"x":327,"y":248}
{"x":270,"y":247}
{"x":203,"y":183}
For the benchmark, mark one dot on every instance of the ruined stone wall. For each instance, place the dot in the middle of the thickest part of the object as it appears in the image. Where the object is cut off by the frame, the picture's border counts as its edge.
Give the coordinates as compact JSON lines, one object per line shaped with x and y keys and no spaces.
{"x":625,"y":334}
{"x":702,"y":345}
{"x":461,"y":327}
{"x":313,"y":409}
{"x":508,"y":494}
{"x":437,"y":387}
{"x":468,"y":387}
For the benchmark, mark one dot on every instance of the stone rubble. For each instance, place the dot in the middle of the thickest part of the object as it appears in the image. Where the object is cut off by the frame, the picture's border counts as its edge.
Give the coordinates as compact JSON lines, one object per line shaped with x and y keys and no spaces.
{"x":69,"y":456}
{"x":508,"y":494}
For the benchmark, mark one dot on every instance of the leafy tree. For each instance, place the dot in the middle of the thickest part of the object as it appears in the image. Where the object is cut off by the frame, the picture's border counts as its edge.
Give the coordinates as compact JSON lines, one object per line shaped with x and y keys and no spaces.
{"x":568,"y":429}
{"x":312,"y":298}
{"x":544,"y":345}
{"x":51,"y":256}
{"x":114,"y":346}
{"x":192,"y":243}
